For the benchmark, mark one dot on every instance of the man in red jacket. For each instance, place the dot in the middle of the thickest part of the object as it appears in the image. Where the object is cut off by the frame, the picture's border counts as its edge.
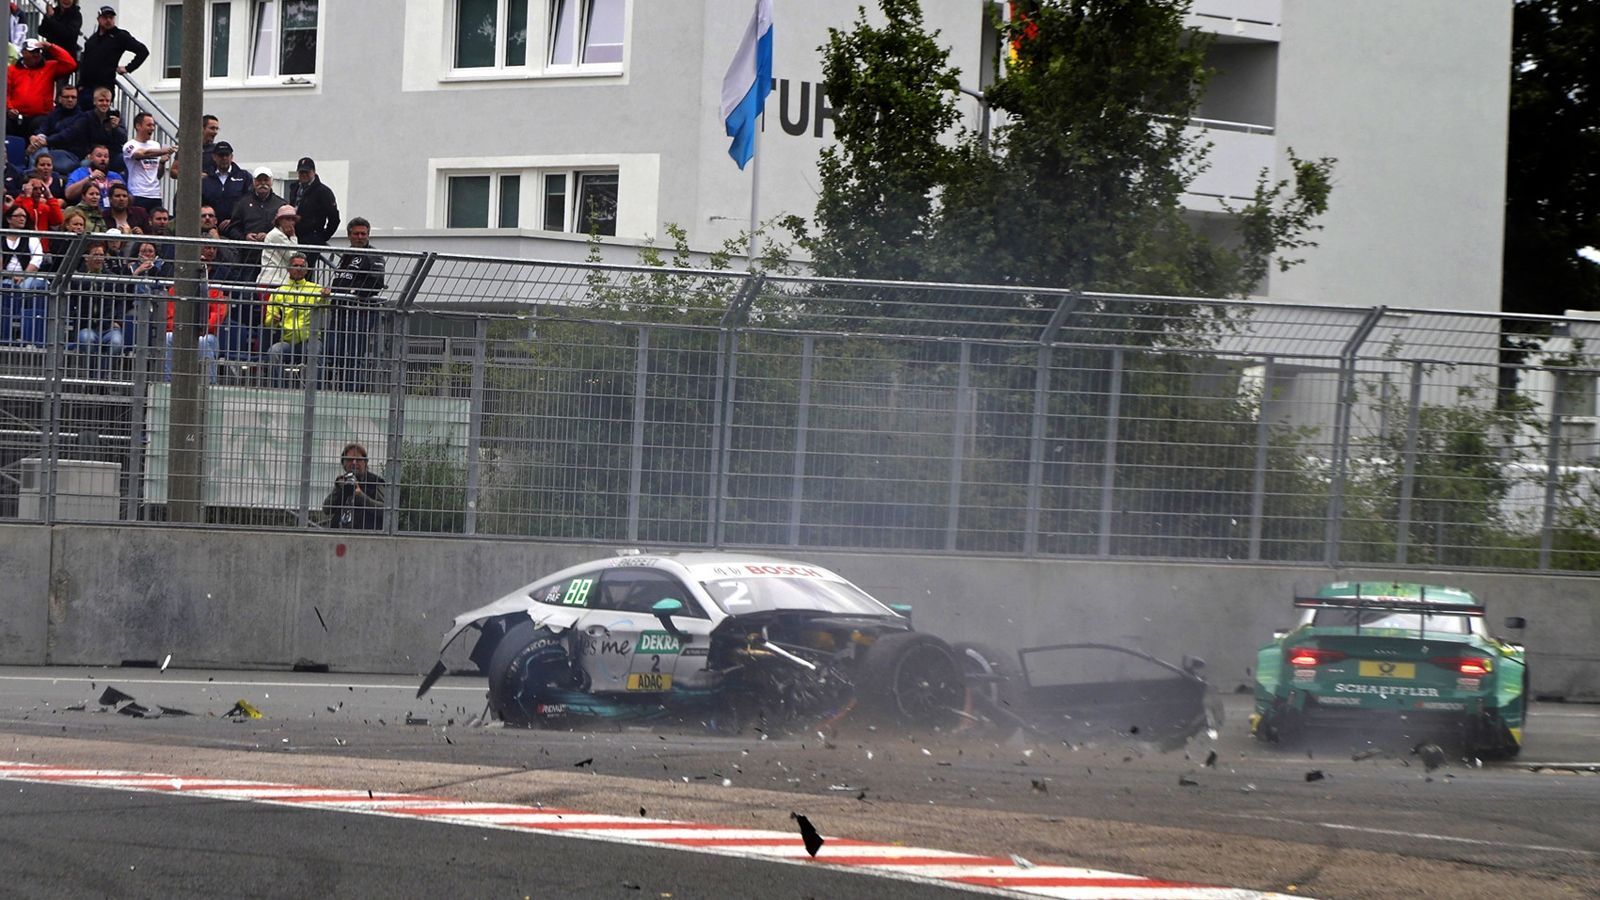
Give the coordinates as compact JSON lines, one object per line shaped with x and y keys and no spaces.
{"x":31,"y":84}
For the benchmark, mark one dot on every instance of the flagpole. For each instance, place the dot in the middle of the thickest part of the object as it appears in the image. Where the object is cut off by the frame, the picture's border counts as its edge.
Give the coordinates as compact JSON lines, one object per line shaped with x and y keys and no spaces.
{"x":755,"y":194}
{"x":755,"y":172}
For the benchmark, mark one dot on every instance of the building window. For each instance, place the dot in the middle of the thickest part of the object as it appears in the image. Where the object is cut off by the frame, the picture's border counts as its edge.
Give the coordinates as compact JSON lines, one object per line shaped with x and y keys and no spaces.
{"x":172,"y":37}
{"x":491,"y":34}
{"x":586,"y":33}
{"x":471,"y":200}
{"x":221,"y":22}
{"x":596,"y":212}
{"x":284,"y":38}
{"x":494,"y":36}
{"x":216,"y":40}
{"x":580,"y":202}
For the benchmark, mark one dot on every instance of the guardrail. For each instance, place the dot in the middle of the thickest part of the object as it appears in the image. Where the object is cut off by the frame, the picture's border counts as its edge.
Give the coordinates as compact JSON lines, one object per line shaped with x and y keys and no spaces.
{"x":668,"y":406}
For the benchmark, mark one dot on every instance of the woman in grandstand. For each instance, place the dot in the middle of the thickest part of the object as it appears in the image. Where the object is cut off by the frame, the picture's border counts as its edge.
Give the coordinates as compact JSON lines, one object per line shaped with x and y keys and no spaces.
{"x":22,"y":296}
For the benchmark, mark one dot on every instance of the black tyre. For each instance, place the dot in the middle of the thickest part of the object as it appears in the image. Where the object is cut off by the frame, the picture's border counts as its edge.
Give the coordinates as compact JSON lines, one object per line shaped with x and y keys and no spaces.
{"x":529,"y":669}
{"x":911,"y":679}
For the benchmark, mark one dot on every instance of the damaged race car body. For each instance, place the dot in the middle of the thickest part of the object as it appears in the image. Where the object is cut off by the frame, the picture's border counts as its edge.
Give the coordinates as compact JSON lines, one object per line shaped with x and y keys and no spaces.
{"x":727,"y":639}
{"x":1084,"y":693}
{"x":736,"y":640}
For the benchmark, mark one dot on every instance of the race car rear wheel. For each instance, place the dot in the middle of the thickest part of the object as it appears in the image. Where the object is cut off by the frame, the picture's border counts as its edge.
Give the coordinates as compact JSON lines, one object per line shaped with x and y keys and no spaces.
{"x":911,"y":679}
{"x":527,"y":667}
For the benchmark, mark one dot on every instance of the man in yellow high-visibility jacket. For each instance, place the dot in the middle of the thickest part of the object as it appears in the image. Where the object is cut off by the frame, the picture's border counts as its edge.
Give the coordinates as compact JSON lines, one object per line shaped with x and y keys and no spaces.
{"x":289,"y":309}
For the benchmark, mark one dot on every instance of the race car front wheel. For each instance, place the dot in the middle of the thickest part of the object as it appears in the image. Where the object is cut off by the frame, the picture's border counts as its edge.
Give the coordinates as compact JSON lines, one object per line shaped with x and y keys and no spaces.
{"x":912,"y":679}
{"x":529,"y":666}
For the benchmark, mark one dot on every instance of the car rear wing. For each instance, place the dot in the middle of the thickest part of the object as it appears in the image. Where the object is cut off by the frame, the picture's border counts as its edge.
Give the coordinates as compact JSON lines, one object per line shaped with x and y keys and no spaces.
{"x":1390,"y":604}
{"x":1423,"y":608}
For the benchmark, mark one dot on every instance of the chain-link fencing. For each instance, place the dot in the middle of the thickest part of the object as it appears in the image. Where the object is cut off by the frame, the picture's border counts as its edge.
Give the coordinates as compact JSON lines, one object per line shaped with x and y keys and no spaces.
{"x":668,"y":406}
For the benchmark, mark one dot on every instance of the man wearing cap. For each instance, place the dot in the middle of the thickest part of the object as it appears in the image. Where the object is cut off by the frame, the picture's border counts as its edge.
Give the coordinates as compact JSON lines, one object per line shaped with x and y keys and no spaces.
{"x":102,"y":55}
{"x":319,"y":210}
{"x":225,"y":184}
{"x":253,"y":215}
{"x":31,"y":85}
{"x":146,"y":162}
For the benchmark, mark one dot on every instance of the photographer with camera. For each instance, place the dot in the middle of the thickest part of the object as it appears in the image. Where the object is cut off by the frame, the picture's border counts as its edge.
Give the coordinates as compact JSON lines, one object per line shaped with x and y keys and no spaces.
{"x":357,"y":497}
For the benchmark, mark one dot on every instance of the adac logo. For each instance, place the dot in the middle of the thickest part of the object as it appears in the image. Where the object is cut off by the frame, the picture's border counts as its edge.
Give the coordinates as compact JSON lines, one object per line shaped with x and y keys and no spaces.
{"x":658,"y":642}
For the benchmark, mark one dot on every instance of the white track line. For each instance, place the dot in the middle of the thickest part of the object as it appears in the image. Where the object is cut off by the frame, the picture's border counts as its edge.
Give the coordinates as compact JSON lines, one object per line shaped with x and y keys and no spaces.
{"x":1419,"y":835}
{"x":108,"y":678}
{"x":978,"y":873}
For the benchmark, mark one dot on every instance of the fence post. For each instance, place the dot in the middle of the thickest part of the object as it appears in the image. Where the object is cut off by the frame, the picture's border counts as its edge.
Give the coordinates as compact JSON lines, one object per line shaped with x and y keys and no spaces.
{"x":1341,"y":431}
{"x":641,"y":382}
{"x":137,"y":441}
{"x":1041,"y":412}
{"x":480,"y":347}
{"x":1108,"y":464}
{"x":1552,"y":477}
{"x":1409,"y":465}
{"x":1258,"y":490}
{"x":958,"y":439}
{"x":55,"y":343}
{"x":308,"y":432}
{"x":399,"y":332}
{"x":728,"y":337}
{"x":802,"y":423}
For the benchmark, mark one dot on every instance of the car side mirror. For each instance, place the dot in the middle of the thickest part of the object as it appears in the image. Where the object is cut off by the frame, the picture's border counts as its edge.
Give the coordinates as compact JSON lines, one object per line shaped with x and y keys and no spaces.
{"x":1279,"y":635}
{"x":1516,"y":623}
{"x":1193,"y":664}
{"x":664,"y":611}
{"x":903,"y":609}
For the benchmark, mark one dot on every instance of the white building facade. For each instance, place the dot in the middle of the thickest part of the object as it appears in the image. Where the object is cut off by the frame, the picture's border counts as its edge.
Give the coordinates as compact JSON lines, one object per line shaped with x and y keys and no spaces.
{"x":510,"y":127}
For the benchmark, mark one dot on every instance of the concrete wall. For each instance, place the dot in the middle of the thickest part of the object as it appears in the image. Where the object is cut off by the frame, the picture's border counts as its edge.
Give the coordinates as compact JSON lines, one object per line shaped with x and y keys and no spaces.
{"x":24,"y":584}
{"x":254,"y":599}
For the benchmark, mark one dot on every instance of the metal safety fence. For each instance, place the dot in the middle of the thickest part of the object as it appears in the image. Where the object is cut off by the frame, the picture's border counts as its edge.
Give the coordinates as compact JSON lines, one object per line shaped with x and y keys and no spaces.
{"x":669,"y":406}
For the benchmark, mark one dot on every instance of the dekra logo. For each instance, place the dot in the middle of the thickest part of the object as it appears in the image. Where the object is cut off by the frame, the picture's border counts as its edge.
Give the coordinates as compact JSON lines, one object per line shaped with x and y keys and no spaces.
{"x":658,"y":642}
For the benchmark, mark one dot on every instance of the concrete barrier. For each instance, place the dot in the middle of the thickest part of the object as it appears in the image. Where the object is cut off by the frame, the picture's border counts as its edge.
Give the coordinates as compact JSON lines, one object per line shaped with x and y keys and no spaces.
{"x":374,"y":604}
{"x":24,"y":586}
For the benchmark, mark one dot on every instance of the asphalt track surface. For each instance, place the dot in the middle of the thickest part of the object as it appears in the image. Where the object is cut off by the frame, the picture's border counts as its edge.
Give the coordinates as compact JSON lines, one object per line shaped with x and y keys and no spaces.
{"x":1375,"y":826}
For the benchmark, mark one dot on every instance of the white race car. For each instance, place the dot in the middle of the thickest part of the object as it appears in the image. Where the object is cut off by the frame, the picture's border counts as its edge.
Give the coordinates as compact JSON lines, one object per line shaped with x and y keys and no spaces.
{"x":731,"y":639}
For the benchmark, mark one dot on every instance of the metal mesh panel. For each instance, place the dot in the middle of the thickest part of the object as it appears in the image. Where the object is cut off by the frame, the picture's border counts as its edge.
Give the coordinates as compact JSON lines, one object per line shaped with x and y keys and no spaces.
{"x":668,"y":406}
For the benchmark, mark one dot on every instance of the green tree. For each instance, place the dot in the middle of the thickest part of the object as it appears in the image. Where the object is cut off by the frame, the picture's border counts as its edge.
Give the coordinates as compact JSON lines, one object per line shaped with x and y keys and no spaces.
{"x":878,"y":181}
{"x":1081,"y":185}
{"x":1553,"y":171}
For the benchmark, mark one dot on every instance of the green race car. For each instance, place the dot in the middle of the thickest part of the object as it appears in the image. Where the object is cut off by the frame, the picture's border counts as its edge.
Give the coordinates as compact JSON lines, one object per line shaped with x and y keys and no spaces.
{"x":1421,"y":654}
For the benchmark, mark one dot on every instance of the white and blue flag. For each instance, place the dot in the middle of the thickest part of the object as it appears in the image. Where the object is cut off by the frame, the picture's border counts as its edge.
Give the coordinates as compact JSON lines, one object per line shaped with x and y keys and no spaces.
{"x":747,"y":84}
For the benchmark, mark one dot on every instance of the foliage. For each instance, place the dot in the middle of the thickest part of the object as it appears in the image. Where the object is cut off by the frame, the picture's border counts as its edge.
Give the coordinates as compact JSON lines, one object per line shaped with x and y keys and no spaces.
{"x":878,"y":180}
{"x":1462,"y":468}
{"x":1081,"y":185}
{"x":1553,"y":172}
{"x":433,"y":479}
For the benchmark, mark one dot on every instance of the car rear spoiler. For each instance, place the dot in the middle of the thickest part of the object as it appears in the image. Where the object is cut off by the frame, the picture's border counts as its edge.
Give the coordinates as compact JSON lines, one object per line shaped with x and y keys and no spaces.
{"x":1392,"y":604}
{"x":1389,"y":604}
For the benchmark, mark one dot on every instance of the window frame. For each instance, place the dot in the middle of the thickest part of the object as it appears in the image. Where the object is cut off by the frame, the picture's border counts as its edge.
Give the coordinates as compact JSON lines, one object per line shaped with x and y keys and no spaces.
{"x":531,"y":193}
{"x":538,"y":46}
{"x":171,"y":73}
{"x":238,"y":55}
{"x":279,"y":31}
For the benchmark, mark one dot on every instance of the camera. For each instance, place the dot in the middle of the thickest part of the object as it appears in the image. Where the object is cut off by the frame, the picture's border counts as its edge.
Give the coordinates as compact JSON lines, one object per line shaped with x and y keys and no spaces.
{"x":347,"y":478}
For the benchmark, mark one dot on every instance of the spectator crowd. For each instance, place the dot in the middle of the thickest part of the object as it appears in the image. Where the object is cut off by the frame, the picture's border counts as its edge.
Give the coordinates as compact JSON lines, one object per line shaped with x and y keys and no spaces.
{"x":73,"y":168}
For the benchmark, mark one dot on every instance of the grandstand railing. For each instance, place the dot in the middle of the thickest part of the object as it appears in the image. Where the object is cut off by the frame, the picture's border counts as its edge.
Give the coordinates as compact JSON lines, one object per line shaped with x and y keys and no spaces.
{"x":660,"y":406}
